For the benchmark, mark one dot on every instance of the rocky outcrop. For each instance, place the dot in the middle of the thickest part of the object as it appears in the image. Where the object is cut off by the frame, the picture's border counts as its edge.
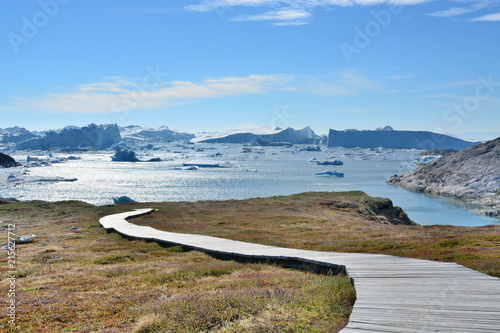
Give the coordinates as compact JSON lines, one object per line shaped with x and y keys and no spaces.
{"x":472,"y":174}
{"x":439,"y":152}
{"x":98,"y":136}
{"x":380,"y":210}
{"x":388,"y":138}
{"x":8,"y":162}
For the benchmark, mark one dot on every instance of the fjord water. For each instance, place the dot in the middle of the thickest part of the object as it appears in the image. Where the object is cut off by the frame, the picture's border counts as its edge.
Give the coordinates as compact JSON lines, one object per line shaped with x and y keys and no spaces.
{"x":260,"y":173}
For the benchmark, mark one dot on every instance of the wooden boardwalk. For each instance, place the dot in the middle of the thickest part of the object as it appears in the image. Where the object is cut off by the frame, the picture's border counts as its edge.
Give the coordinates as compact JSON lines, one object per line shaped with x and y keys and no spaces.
{"x":394,"y":294}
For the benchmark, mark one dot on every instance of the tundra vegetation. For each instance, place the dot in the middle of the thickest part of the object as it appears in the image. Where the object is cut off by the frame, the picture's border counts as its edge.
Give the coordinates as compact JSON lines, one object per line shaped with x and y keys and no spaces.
{"x":75,"y":277}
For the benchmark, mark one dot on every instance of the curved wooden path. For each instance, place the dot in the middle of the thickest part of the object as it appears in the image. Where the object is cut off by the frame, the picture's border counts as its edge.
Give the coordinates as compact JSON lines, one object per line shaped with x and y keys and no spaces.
{"x":394,"y":294}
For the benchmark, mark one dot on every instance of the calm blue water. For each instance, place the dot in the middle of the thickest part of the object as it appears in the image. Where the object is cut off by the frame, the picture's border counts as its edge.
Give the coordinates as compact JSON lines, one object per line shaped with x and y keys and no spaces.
{"x":261,"y":173}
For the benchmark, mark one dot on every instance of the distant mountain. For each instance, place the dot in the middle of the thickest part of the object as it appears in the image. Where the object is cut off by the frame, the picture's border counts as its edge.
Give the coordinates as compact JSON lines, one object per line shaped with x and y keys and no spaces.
{"x":98,"y":136}
{"x":472,"y":174}
{"x":388,"y":138}
{"x":162,"y":133}
{"x":249,"y":134}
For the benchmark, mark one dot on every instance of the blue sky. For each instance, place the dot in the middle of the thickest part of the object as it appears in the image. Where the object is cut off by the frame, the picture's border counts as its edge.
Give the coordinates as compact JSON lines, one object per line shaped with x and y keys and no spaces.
{"x":217,"y":64}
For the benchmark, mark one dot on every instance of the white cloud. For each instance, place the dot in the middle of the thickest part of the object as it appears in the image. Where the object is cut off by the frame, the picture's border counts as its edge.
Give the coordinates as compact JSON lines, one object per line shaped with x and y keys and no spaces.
{"x":285,"y":17}
{"x":473,"y":6}
{"x":288,"y":12}
{"x":119,"y":94}
{"x":208,"y":5}
{"x":114,"y":96}
{"x":454,"y":11}
{"x":489,"y":17}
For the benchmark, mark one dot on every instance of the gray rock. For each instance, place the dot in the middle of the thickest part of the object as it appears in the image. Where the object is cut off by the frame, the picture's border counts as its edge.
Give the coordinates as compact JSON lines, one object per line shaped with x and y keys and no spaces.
{"x":8,"y":162}
{"x":472,"y":174}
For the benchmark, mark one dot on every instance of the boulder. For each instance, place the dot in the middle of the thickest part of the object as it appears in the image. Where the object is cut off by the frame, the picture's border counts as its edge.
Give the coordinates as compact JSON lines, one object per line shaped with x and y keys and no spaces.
{"x":8,"y":162}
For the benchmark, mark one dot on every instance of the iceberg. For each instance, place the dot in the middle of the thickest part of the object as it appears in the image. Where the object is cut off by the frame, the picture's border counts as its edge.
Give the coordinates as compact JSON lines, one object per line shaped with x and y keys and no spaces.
{"x":124,"y":155}
{"x":251,"y":133}
{"x":16,"y":134}
{"x":187,"y":168}
{"x":334,"y":162}
{"x":329,"y":173}
{"x":122,"y":200}
{"x":98,"y":136}
{"x":161,"y":134}
{"x":389,"y":138}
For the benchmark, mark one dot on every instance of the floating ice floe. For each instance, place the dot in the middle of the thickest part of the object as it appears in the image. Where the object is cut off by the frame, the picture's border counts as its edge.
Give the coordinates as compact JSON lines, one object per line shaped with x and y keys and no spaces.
{"x":329,"y":173}
{"x":23,"y":179}
{"x":192,"y":167}
{"x":209,"y":164}
{"x":334,"y":162}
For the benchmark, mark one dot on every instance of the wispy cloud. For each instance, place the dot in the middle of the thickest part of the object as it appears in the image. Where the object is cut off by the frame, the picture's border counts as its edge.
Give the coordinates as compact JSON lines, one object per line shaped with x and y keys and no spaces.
{"x":471,"y":6}
{"x":283,"y":17}
{"x":105,"y":96}
{"x":5,"y":107}
{"x":454,"y":11}
{"x":400,"y":77}
{"x":288,"y":12}
{"x":489,"y":17}
{"x":112,"y":94}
